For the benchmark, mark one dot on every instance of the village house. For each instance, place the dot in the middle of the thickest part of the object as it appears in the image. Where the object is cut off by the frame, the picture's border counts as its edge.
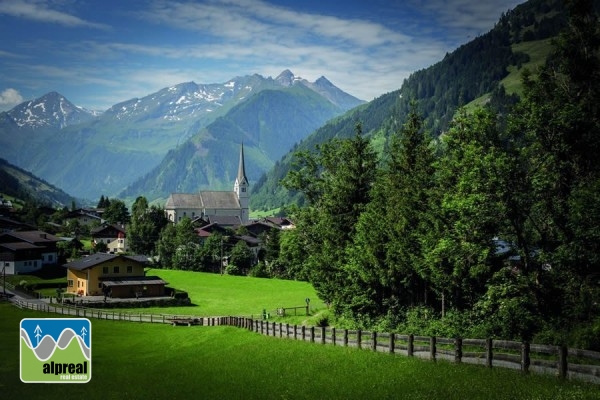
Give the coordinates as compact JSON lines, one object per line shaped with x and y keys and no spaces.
{"x":85,"y":217}
{"x":27,"y":251}
{"x":114,"y":236}
{"x":112,"y":275}
{"x":213,"y":205}
{"x":9,"y":225}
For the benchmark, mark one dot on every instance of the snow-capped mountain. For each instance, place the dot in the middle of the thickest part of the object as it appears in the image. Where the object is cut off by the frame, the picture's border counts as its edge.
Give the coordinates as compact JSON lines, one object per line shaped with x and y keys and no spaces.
{"x":89,"y":154}
{"x":49,"y":111}
{"x":188,"y":100}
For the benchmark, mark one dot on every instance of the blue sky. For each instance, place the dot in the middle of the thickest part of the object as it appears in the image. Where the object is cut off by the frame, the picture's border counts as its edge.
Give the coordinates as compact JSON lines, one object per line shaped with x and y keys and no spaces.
{"x":99,"y":53}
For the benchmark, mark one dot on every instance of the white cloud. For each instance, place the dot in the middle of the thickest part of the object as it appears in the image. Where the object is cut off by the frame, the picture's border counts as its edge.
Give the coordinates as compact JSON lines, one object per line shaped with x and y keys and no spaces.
{"x":37,"y":10}
{"x":10,"y":97}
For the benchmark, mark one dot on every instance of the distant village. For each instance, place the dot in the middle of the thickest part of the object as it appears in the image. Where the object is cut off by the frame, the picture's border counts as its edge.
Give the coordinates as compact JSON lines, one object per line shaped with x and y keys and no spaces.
{"x":95,"y":255}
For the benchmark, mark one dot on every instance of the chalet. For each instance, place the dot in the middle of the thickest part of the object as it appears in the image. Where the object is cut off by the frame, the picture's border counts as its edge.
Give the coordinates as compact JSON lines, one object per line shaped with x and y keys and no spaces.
{"x":85,"y":217}
{"x":113,"y":235}
{"x":213,"y":204}
{"x":257,"y":228}
{"x":9,"y":225}
{"x":280,"y":222}
{"x":113,"y":275}
{"x":23,"y":252}
{"x":20,"y":258}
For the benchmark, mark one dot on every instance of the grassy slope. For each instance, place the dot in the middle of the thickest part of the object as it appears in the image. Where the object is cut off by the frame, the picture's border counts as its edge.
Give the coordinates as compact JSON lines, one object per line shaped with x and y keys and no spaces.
{"x":135,"y":361}
{"x":214,"y":294}
{"x":537,"y":50}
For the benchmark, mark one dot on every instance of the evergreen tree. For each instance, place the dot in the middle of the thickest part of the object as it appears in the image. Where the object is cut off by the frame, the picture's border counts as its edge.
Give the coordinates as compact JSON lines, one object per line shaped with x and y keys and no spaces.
{"x":117,"y":212}
{"x":385,"y":257}
{"x":336,"y":181}
{"x":560,"y":119}
{"x":467,"y":209}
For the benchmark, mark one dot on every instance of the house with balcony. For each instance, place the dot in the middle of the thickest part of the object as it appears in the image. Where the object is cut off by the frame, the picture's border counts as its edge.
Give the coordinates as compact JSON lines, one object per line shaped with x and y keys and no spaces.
{"x":114,"y":236}
{"x":112,"y":275}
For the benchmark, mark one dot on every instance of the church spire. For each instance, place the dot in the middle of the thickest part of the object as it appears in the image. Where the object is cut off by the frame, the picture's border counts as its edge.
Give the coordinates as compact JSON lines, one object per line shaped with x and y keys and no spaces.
{"x":241,"y":187}
{"x":241,"y":176}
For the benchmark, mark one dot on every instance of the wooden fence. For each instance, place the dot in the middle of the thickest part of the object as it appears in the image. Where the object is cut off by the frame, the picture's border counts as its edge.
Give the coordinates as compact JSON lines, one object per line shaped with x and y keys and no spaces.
{"x":556,"y":360}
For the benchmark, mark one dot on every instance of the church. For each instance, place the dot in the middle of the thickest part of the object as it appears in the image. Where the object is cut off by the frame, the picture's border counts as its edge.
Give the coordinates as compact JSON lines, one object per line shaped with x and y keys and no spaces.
{"x":213,"y":204}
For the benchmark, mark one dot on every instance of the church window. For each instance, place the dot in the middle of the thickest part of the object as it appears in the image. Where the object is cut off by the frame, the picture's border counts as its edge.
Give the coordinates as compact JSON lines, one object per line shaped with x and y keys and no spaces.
{"x":243,"y":189}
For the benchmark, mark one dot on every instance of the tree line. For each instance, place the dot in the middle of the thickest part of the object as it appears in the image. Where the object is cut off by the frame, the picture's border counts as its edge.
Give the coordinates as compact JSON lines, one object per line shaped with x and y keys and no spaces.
{"x":494,"y":226}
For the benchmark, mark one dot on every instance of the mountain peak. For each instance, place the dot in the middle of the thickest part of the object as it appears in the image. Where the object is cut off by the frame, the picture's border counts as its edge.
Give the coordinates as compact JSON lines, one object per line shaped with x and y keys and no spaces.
{"x":50,"y":110}
{"x":323,"y":82}
{"x":286,"y":78}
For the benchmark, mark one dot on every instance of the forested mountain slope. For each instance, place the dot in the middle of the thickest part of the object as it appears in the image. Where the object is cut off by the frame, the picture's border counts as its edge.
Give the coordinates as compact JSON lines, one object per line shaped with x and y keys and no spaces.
{"x":468,"y":73}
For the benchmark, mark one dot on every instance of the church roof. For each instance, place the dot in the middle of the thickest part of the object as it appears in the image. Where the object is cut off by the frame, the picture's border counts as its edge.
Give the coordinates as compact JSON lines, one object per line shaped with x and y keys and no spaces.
{"x":204,"y":199}
{"x":183,"y":200}
{"x":219,"y":200}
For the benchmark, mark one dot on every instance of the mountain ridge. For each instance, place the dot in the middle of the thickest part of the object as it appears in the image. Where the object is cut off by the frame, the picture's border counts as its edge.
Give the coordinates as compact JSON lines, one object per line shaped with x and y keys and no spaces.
{"x":90,"y":154}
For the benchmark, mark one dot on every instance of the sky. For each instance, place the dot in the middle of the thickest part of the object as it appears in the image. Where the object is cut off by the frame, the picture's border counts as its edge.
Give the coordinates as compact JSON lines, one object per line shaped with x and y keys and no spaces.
{"x":100,"y":53}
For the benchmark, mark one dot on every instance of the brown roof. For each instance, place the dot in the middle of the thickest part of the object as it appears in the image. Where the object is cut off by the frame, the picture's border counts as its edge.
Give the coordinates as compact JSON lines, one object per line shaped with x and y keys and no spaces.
{"x":34,"y":237}
{"x":99,"y":258}
{"x":20,"y":246}
{"x":139,"y":280}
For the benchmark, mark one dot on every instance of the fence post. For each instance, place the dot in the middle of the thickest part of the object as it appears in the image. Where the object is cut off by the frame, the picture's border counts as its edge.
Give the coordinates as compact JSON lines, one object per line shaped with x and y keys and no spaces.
{"x":262,"y":327}
{"x":411,"y":345}
{"x":458,"y":350}
{"x":295,"y":332}
{"x":392,"y":342}
{"x":563,"y":363}
{"x":345,"y":337}
{"x":303,"y":332}
{"x":333,"y":338}
{"x":287,"y":330}
{"x":312,"y":334}
{"x":489,"y":352}
{"x":374,"y":341}
{"x":280,"y":329}
{"x":359,"y":338}
{"x":432,"y":348}
{"x":525,"y":357}
{"x":274,"y":328}
{"x":322,"y":335}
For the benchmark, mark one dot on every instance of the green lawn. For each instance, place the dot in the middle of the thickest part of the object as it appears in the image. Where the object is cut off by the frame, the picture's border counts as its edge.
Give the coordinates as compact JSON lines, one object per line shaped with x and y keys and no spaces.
{"x":146,"y":361}
{"x":214,"y":294}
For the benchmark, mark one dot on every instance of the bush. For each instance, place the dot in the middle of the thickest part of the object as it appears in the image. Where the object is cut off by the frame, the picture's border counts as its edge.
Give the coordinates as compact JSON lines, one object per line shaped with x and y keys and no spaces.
{"x":259,"y":271}
{"x":232,"y":269}
{"x":582,"y":336}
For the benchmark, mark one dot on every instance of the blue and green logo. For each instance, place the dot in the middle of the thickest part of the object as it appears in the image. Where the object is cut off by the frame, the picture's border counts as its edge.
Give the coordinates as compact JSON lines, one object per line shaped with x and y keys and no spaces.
{"x":56,"y":350}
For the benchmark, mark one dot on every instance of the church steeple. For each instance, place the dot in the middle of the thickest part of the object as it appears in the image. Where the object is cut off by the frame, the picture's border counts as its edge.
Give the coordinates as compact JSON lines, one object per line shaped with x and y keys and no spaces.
{"x":241,"y":187}
{"x":241,"y":176}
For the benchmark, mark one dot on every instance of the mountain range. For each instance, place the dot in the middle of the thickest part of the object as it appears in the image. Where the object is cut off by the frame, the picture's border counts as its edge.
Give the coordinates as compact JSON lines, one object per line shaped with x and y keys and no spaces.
{"x":186,"y":137}
{"x":89,"y":153}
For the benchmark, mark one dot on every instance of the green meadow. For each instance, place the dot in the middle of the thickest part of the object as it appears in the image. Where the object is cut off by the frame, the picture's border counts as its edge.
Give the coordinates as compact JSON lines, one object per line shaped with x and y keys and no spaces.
{"x":153,"y":361}
{"x":217,"y":295}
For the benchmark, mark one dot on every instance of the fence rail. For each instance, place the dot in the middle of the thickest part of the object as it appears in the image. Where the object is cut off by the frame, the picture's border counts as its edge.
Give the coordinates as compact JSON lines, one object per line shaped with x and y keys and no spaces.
{"x":560,"y":361}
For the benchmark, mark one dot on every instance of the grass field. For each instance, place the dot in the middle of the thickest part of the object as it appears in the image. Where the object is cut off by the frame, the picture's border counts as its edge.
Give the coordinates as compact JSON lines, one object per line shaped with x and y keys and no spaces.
{"x":147,"y":361}
{"x":214,"y":294}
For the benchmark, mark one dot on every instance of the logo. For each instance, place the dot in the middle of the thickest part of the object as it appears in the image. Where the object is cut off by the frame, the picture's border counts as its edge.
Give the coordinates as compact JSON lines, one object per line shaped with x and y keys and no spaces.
{"x":56,"y":350}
